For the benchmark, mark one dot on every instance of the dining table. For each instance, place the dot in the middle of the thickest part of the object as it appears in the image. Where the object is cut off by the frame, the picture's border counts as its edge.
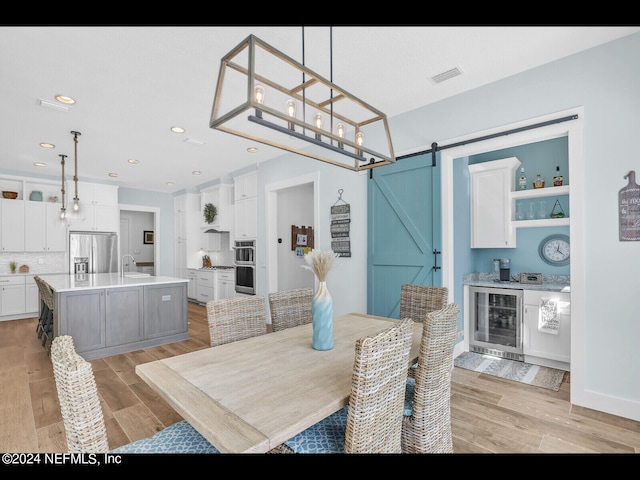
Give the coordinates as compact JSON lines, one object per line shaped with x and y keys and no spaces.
{"x":252,"y":395}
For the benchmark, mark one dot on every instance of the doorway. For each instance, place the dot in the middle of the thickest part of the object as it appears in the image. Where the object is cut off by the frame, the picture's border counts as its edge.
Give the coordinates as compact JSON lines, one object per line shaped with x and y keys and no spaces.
{"x":134,"y":221}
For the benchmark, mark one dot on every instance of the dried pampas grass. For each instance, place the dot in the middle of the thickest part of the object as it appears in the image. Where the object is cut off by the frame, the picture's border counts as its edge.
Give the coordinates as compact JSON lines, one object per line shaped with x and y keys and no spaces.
{"x":320,"y":262}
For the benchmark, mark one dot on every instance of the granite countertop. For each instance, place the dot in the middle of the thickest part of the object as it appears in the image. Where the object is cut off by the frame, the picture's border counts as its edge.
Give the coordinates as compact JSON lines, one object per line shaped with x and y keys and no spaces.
{"x":551,"y":283}
{"x":90,"y":281}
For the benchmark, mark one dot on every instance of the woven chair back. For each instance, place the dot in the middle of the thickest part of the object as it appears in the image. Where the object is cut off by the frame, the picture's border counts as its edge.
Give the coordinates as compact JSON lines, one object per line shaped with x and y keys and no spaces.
{"x":374,"y":421}
{"x":290,"y":308}
{"x":236,"y":318}
{"x":428,"y":429}
{"x":418,"y":300}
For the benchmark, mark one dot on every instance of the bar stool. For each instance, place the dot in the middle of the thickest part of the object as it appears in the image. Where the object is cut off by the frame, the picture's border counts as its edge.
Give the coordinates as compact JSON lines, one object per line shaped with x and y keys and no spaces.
{"x":45,"y":322}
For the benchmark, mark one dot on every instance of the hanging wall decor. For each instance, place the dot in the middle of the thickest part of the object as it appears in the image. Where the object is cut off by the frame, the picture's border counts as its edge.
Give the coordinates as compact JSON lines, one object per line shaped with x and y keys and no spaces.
{"x":340,"y":227}
{"x":301,"y":238}
{"x":629,"y":210}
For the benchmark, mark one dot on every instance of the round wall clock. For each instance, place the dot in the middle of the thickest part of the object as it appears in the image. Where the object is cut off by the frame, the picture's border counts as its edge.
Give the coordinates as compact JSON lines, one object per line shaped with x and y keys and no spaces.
{"x":554,"y":250}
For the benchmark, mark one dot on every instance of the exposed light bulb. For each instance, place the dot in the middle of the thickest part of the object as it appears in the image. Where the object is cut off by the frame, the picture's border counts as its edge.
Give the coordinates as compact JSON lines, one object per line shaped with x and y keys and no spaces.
{"x":340,"y":131}
{"x":291,"y":111}
{"x":317,"y":120}
{"x":258,"y":96}
{"x":359,"y":141}
{"x":76,"y":205}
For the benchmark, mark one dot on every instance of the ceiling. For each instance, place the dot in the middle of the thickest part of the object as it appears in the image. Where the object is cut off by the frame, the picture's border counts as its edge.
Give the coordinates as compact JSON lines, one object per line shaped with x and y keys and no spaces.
{"x":132,"y":84}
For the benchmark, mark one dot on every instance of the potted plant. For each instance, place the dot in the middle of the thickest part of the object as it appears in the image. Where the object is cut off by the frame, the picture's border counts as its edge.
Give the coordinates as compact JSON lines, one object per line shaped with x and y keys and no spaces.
{"x":13,"y":266}
{"x":210,"y":212}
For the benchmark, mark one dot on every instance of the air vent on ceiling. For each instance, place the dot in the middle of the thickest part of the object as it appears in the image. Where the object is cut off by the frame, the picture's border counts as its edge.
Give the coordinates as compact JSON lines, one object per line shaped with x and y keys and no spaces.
{"x":441,"y":77}
{"x":53,"y":106}
{"x":192,"y":141}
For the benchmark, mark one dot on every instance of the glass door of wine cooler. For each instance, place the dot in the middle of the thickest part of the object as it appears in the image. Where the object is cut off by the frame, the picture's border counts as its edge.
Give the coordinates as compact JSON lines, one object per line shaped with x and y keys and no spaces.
{"x":496,"y":322}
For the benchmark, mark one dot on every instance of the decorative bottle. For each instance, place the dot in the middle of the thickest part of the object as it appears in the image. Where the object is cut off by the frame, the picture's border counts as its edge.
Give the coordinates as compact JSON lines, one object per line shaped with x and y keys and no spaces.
{"x":539,"y":182}
{"x":557,"y":179}
{"x":522,"y":183}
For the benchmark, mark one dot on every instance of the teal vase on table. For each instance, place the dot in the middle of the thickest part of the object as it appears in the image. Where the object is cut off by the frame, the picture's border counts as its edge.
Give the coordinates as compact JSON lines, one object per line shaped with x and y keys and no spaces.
{"x":322,"y":306}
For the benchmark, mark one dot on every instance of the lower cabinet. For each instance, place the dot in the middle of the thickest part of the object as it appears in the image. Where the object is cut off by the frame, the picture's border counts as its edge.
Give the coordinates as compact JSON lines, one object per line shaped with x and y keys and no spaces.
{"x":192,"y":289}
{"x":547,"y":328}
{"x":124,"y":315}
{"x":12,"y":295}
{"x":206,"y":286}
{"x":165,"y":310}
{"x":226,"y":284}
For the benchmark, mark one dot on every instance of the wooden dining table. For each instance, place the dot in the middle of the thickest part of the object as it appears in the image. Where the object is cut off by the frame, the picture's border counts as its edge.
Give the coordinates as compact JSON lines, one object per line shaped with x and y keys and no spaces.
{"x":252,"y":395}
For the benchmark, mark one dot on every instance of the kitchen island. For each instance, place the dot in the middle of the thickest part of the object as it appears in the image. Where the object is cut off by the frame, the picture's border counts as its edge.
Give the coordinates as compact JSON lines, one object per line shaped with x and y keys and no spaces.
{"x":107,"y":314}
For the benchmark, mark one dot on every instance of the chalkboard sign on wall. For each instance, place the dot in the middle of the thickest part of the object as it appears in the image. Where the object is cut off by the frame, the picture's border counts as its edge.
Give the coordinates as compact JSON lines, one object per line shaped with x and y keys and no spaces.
{"x":629,"y":209}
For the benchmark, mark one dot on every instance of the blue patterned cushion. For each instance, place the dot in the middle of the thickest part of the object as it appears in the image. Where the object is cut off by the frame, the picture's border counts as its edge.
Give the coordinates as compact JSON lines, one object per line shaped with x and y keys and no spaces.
{"x":180,"y":437}
{"x":408,"y":396}
{"x":326,"y":436}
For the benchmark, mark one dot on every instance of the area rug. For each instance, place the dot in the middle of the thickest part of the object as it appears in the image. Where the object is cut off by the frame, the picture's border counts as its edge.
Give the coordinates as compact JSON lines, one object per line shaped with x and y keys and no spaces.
{"x":522,"y":372}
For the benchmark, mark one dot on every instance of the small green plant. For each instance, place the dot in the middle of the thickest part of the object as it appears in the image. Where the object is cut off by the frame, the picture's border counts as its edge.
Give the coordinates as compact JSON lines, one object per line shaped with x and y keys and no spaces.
{"x":13,"y":266}
{"x":210,"y":212}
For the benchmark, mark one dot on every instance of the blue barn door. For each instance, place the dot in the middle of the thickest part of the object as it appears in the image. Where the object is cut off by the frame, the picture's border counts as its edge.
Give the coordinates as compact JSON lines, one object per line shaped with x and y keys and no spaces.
{"x":403,"y":231}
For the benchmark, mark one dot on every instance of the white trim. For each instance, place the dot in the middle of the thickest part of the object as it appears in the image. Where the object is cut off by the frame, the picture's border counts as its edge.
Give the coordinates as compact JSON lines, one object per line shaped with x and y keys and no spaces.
{"x":574,"y":131}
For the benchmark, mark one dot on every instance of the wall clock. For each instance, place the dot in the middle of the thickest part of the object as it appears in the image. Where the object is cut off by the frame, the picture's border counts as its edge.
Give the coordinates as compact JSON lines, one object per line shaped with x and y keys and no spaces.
{"x":554,"y":250}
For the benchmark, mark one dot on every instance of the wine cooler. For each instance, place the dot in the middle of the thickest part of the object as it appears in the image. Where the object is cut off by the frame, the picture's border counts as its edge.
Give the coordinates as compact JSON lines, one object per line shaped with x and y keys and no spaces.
{"x":495,"y":321}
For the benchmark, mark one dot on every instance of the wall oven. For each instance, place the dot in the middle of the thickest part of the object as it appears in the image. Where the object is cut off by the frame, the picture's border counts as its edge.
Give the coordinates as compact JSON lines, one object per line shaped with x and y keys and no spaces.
{"x":495,"y":321}
{"x":245,"y":265}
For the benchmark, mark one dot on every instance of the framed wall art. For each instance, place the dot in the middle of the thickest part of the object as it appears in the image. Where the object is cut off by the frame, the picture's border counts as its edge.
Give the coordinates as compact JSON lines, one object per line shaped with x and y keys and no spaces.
{"x":148,"y":237}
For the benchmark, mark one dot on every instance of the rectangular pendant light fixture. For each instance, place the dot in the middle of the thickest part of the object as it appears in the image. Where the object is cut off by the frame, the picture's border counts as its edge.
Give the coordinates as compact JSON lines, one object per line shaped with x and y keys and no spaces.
{"x":292,"y":108}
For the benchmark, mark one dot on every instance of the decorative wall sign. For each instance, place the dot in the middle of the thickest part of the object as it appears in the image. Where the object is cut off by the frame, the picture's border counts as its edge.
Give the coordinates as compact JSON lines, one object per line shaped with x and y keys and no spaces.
{"x":629,"y":210}
{"x":301,"y":237}
{"x":340,"y":227}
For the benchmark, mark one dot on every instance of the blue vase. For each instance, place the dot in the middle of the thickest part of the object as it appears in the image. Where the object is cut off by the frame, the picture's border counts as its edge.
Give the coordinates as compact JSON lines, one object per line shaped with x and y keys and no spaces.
{"x":322,"y":306}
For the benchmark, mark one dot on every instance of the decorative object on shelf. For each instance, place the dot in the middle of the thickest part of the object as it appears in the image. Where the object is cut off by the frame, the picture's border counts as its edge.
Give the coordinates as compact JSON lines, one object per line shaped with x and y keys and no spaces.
{"x":76,"y":200}
{"x":340,"y":227}
{"x":557,"y":179}
{"x":53,"y":199}
{"x":538,"y":182}
{"x":522,"y":181}
{"x":24,"y":268}
{"x":629,"y":210}
{"x":210,"y":212}
{"x":300,"y":104}
{"x":555,"y":250}
{"x":35,"y":196}
{"x":559,"y":213}
{"x":13,"y":266}
{"x":320,"y":262}
{"x":10,"y":195}
{"x":63,"y":210}
{"x":542,"y":209}
{"x":148,"y":237}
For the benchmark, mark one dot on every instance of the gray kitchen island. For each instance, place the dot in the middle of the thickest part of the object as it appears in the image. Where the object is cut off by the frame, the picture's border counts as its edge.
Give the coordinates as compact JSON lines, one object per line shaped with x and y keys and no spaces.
{"x":107,"y":314}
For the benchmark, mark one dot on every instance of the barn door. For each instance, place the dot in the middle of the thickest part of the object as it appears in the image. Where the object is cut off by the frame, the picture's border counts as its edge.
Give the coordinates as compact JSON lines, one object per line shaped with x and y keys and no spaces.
{"x":403,"y":231}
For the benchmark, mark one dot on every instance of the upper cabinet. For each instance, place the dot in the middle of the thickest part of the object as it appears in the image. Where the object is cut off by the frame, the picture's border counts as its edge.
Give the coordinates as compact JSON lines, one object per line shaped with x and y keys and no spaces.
{"x":98,"y":207}
{"x":12,"y":225}
{"x":246,"y":207}
{"x":491,"y":184}
{"x":220,"y":196}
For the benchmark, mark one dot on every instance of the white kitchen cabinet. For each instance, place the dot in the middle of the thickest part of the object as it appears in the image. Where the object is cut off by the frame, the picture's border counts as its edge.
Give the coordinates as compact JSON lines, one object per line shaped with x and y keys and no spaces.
{"x":99,"y":210}
{"x":12,"y":225}
{"x":540,"y":345}
{"x":32,"y":302}
{"x":192,"y":287}
{"x":226,"y":284}
{"x":186,"y":233}
{"x":12,"y":295}
{"x":211,"y":242}
{"x":491,"y":184}
{"x":245,"y":186}
{"x":205,"y":289}
{"x":43,"y":230}
{"x":246,"y":218}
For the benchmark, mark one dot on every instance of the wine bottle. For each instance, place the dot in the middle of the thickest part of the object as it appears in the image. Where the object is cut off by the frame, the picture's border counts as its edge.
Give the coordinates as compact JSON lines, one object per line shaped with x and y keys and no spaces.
{"x":557,"y":179}
{"x":522,"y":183}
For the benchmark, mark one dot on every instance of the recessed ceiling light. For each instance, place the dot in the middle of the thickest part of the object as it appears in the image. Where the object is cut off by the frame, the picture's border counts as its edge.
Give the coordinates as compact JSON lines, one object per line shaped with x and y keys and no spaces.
{"x":112,"y":174}
{"x":177,"y":129}
{"x":40,"y":164}
{"x":64,"y":99}
{"x":197,"y":172}
{"x":47,"y":145}
{"x":133,"y":161}
{"x":252,"y":149}
{"x":169,"y":183}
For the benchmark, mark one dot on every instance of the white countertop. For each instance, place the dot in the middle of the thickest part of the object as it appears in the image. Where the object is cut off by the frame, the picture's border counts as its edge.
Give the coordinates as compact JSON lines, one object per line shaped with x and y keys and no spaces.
{"x":89,"y":281}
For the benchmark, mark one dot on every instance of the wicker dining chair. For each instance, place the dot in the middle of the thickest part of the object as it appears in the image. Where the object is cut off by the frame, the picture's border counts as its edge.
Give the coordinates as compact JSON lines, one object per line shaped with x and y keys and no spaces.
{"x":290,"y":308}
{"x":372,"y":422}
{"x":418,"y":300}
{"x":426,"y":427}
{"x":44,"y":328}
{"x":83,"y":418}
{"x":236,"y":318}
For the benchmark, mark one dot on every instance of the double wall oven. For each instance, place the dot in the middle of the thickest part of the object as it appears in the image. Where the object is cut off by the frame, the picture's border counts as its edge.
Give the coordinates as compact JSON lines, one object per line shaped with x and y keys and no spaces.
{"x":245,"y":265}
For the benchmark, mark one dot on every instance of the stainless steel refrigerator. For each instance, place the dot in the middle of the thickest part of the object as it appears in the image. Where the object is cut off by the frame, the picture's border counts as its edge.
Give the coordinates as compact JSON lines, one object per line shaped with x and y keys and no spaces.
{"x":93,"y":252}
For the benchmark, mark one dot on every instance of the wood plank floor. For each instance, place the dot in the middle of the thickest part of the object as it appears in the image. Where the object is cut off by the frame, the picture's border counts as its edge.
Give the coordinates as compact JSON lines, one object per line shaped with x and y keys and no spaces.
{"x":489,"y":414}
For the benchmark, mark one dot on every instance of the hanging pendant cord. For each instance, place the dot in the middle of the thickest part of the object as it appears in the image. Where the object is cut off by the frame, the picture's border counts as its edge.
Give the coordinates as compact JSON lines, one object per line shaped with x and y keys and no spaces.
{"x":75,"y":176}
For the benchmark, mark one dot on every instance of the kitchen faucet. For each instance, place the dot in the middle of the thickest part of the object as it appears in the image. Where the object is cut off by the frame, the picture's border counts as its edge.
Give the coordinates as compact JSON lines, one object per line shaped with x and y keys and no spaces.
{"x":122,"y":263}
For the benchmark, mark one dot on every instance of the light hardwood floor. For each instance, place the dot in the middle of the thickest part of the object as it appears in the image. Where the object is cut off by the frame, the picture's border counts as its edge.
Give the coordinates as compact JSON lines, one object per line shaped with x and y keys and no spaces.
{"x":489,"y":414}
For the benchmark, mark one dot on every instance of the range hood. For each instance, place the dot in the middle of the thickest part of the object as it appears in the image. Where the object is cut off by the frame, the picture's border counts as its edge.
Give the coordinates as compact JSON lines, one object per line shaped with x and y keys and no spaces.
{"x":212,"y":228}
